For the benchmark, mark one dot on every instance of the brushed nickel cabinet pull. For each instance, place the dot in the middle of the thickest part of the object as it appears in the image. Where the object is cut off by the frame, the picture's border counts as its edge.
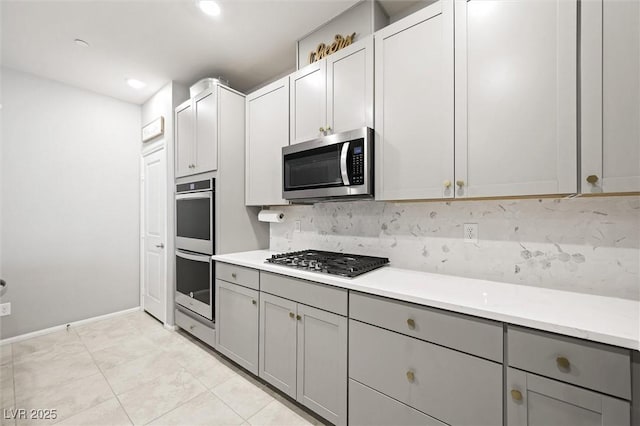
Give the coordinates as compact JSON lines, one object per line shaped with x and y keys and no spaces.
{"x":298,"y":317}
{"x":234,"y":275}
{"x":563,"y":363}
{"x":592,"y":179}
{"x":411,"y":324}
{"x":516,"y":395}
{"x":411,"y":376}
{"x":460,"y":183}
{"x":447,"y":183}
{"x":254,"y":302}
{"x":292,"y":315}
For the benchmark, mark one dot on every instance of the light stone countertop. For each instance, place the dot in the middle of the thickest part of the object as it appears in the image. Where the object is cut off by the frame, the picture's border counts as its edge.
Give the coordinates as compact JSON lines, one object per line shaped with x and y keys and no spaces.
{"x":601,"y":319}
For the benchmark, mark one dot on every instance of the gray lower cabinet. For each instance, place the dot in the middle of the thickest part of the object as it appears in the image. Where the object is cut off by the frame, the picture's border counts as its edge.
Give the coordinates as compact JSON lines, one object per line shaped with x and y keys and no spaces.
{"x":278,"y":346}
{"x":537,"y":401}
{"x":237,"y":323}
{"x":451,"y":386}
{"x":303,"y":352}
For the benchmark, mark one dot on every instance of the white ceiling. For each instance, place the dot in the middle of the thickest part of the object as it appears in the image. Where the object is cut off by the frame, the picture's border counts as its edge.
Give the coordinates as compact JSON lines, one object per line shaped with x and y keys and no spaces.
{"x":157,"y":41}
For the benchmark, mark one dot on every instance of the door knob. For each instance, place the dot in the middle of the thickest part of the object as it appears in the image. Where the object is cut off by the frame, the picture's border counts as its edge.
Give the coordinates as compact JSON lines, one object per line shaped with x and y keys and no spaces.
{"x":321,"y":129}
{"x":411,"y":324}
{"x":292,"y":315}
{"x":298,"y":317}
{"x":592,"y":179}
{"x":254,"y":302}
{"x":411,"y":376}
{"x":160,"y":246}
{"x":516,"y":395}
{"x":460,"y":183}
{"x":447,"y":183}
{"x":563,"y":362}
{"x":234,"y":275}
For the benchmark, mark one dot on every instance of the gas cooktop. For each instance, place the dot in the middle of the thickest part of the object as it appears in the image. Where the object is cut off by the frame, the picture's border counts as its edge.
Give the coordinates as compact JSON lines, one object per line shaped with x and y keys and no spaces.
{"x":327,"y":262}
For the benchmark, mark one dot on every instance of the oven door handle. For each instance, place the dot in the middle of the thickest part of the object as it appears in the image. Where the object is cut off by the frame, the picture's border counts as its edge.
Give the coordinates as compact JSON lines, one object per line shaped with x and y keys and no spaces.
{"x":343,"y":164}
{"x":194,"y":257}
{"x":194,"y":195}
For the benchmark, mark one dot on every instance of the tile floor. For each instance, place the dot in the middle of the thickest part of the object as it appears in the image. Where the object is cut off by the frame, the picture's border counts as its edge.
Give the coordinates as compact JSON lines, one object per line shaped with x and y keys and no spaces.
{"x":131,"y":370}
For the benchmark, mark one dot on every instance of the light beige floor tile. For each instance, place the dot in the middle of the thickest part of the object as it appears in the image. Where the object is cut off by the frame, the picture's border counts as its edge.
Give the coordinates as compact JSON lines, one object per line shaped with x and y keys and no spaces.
{"x":96,"y":340}
{"x":144,"y":321}
{"x":135,"y":373}
{"x":244,"y":397}
{"x":6,"y":387}
{"x":54,"y":353}
{"x":125,"y":351}
{"x":45,"y":342}
{"x":9,"y":414}
{"x":287,"y":402}
{"x":114,"y":323}
{"x":203,"y":410}
{"x":166,"y":338}
{"x":68,"y":399}
{"x":31,"y":377}
{"x":5,"y":354}
{"x":211,"y":372}
{"x":107,"y":413}
{"x":277,"y":414}
{"x":160,"y":396}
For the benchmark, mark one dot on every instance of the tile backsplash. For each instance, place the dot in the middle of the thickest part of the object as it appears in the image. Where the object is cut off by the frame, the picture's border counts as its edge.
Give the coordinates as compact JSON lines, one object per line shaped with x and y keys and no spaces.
{"x":589,"y":245}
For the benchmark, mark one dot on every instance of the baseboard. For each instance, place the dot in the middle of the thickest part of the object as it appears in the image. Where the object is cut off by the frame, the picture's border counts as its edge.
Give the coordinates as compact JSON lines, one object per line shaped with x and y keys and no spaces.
{"x":61,"y":327}
{"x":171,"y":327}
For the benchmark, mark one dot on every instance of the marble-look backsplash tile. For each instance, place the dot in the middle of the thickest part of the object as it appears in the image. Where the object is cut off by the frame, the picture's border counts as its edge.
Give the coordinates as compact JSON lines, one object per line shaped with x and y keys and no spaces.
{"x":589,"y":245}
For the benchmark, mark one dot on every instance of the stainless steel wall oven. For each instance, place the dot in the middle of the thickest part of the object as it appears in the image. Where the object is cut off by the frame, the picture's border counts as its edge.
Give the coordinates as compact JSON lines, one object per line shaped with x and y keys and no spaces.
{"x":195,"y":225}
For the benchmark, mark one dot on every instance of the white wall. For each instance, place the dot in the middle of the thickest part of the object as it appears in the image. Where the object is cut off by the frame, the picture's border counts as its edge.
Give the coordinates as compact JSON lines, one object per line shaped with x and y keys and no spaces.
{"x":588,"y":245}
{"x":70,"y":203}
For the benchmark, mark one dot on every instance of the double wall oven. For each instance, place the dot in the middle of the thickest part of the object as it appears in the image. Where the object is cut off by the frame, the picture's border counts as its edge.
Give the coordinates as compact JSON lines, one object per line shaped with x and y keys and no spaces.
{"x":195,"y":232}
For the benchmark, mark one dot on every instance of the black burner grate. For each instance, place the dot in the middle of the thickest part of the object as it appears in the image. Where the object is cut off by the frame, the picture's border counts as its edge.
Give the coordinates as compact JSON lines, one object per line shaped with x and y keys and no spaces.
{"x":342,"y":264}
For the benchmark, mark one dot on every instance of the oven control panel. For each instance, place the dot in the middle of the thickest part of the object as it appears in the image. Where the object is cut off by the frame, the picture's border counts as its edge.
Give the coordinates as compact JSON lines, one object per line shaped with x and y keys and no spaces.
{"x":356,"y":177}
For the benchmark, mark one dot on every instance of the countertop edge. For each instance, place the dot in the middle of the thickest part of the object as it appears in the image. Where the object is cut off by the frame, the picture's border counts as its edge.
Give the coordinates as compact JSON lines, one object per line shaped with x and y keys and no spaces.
{"x":609,"y":339}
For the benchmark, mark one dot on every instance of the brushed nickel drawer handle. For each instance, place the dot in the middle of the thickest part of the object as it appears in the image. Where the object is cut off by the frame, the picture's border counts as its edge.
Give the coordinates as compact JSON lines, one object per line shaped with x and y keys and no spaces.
{"x":516,"y":395}
{"x":234,"y":275}
{"x":592,"y":179}
{"x":411,"y":376}
{"x":411,"y":324}
{"x":563,"y":363}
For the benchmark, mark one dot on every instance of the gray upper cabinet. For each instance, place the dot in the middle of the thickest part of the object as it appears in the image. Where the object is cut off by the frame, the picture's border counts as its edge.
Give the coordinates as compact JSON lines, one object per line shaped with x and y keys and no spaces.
{"x":537,"y":401}
{"x":515,"y":97}
{"x":414,"y":105}
{"x":196,"y":134}
{"x":610,"y":96}
{"x":267,"y":133}
{"x":333,"y":94}
{"x":237,"y":323}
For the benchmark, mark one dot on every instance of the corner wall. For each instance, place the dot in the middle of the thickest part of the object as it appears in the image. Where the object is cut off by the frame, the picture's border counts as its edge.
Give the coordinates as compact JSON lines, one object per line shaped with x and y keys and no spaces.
{"x":70,"y":203}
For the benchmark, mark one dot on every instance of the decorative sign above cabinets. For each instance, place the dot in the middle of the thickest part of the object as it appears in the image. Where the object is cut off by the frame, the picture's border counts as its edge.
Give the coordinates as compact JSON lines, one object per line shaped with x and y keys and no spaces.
{"x":153,"y":129}
{"x":323,"y":50}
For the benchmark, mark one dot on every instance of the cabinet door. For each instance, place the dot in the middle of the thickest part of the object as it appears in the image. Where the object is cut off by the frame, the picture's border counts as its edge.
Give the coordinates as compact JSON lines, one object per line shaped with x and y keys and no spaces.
{"x":516,"y":112}
{"x":414,"y":105}
{"x":237,"y":323}
{"x":537,"y":401}
{"x":206,"y":146}
{"x":267,"y":133}
{"x":610,"y":96}
{"x":308,"y":102}
{"x":322,"y":363}
{"x":350,"y":87}
{"x":185,"y":140}
{"x":278,"y":342}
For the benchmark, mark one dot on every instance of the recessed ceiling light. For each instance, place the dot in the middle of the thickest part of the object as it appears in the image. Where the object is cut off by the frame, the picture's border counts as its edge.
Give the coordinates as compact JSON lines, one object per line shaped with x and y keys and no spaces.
{"x":209,"y":7}
{"x":136,"y":84}
{"x":81,"y":42}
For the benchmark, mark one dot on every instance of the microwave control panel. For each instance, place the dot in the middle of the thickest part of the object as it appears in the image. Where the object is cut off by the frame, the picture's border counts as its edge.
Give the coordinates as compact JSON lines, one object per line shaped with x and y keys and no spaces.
{"x":356,"y":177}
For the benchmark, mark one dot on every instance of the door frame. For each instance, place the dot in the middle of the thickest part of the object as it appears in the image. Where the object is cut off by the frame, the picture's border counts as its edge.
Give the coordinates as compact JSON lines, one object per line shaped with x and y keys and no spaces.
{"x":149,"y":150}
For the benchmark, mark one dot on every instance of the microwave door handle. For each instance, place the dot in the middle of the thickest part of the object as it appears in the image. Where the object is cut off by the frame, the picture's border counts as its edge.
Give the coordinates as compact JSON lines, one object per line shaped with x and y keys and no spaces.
{"x":194,"y":257}
{"x":343,"y":164}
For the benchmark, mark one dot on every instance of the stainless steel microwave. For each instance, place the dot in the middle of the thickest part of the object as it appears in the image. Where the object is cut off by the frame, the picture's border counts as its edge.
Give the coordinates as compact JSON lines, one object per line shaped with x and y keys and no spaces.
{"x":332,"y":167}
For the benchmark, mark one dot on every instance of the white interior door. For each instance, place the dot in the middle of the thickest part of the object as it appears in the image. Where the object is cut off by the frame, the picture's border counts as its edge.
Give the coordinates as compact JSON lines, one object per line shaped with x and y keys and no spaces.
{"x":154,"y":217}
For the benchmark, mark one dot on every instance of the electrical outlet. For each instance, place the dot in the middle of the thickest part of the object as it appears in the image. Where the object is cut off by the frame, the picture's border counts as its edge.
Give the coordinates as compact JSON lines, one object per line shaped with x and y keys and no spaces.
{"x":470,"y":232}
{"x":5,"y":309}
{"x":298,"y":226}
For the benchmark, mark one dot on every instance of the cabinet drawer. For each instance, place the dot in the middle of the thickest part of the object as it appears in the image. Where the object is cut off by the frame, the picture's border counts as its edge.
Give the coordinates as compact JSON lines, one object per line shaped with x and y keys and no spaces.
{"x":196,"y":328}
{"x":591,"y":365}
{"x":321,"y":296}
{"x":368,"y":407}
{"x":238,"y":275}
{"x":465,"y":333}
{"x":454,"y":387}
